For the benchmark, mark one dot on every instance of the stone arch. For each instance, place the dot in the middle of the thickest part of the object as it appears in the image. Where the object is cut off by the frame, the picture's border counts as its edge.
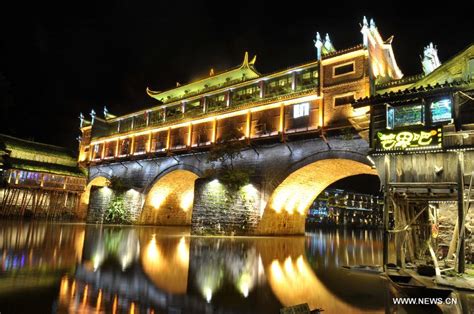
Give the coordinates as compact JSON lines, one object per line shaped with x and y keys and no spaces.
{"x":293,"y":192}
{"x":100,"y":179}
{"x":198,"y":172}
{"x":169,"y":198}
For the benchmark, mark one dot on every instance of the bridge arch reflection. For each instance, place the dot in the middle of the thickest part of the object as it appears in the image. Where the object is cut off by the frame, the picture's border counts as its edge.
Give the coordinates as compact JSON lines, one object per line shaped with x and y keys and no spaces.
{"x":170,"y":269}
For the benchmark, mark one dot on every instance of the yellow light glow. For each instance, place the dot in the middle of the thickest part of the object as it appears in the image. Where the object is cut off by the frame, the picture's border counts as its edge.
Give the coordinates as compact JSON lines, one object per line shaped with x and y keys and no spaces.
{"x":289,"y":269}
{"x":159,"y":196}
{"x":281,"y":126}
{"x":183,"y":252}
{"x":152,"y":252}
{"x":84,"y":299}
{"x":187,"y":199}
{"x":114,"y":305}
{"x":165,"y":261}
{"x":63,"y":287}
{"x":247,"y":124}
{"x":276,"y":271}
{"x":99,"y":300}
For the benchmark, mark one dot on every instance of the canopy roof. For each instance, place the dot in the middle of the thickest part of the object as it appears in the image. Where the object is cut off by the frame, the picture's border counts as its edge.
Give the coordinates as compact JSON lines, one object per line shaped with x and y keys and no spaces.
{"x":32,"y":156}
{"x":245,"y":71}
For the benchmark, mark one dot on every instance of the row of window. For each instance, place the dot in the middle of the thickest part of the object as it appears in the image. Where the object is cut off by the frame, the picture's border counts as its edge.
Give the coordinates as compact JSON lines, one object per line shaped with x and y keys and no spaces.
{"x":414,"y":114}
{"x":293,"y":82}
{"x":299,"y":117}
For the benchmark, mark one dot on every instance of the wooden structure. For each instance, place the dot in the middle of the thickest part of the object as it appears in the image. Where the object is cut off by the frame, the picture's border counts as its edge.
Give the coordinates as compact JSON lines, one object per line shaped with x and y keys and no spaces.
{"x":38,"y":180}
{"x":422,"y":140}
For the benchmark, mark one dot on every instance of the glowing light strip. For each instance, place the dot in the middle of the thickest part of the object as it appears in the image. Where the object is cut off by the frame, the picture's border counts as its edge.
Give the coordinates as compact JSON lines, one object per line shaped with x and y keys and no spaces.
{"x":345,"y":56}
{"x":212,"y":118}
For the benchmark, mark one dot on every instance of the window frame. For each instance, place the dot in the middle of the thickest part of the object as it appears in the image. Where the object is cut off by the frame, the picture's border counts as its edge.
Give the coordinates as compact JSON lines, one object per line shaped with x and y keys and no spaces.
{"x":334,"y":75}
{"x":339,"y":96}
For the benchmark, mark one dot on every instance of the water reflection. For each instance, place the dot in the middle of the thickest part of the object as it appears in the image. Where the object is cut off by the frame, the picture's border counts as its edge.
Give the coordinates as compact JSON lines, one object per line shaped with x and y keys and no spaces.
{"x":145,"y":270}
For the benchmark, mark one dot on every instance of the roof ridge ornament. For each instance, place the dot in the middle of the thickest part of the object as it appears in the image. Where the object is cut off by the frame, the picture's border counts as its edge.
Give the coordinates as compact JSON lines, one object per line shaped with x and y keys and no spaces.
{"x":318,"y":44}
{"x":81,"y":118}
{"x":328,"y":47}
{"x":372,"y":25}
{"x":246,"y":60}
{"x":430,"y":60}
{"x":92,"y":114}
{"x":365,"y":32}
{"x":254,"y":59}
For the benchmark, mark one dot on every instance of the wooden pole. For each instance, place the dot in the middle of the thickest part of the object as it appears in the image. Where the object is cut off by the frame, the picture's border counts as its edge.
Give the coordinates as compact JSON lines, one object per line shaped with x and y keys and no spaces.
{"x":460,"y":265}
{"x":386,"y":210}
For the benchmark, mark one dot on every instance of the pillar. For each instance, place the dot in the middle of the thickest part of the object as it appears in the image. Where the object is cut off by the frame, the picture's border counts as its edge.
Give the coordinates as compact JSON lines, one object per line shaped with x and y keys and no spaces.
{"x":460,"y":254}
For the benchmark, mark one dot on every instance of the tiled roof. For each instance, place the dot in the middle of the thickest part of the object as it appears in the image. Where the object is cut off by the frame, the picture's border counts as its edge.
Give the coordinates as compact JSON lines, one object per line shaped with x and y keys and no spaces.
{"x":409,"y":92}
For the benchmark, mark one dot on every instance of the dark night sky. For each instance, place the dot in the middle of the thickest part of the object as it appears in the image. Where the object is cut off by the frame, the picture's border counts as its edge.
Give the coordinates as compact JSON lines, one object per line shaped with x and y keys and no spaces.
{"x":60,"y":59}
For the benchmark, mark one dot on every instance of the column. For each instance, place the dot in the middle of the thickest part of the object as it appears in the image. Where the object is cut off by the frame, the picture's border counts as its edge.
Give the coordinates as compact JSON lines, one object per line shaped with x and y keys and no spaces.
{"x":190,"y":134}
{"x":214,"y":130}
{"x":168,"y":139}
{"x":460,"y":252}
{"x":247,"y":124}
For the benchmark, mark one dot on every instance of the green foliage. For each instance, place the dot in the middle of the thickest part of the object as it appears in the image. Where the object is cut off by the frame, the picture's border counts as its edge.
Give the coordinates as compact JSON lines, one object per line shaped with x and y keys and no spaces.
{"x":116,"y":213}
{"x":226,"y":152}
{"x":118,"y":185}
{"x":229,"y":147}
{"x":113,"y":238}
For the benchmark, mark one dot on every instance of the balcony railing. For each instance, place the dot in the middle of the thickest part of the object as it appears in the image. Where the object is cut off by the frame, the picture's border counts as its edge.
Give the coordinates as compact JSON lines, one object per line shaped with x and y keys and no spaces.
{"x":158,"y":117}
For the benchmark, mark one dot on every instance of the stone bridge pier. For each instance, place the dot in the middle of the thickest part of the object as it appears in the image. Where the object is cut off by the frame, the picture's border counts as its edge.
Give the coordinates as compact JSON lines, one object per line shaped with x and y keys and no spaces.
{"x":286,"y":178}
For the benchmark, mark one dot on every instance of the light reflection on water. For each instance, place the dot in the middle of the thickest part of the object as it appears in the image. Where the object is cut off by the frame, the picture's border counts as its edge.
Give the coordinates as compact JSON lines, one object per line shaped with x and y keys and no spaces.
{"x":96,"y":269}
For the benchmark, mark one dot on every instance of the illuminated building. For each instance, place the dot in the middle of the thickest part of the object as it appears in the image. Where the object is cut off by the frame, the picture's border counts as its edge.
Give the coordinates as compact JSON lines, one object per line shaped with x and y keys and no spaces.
{"x":335,"y":207}
{"x":295,"y":114}
{"x":300,"y":100}
{"x":39,"y":179}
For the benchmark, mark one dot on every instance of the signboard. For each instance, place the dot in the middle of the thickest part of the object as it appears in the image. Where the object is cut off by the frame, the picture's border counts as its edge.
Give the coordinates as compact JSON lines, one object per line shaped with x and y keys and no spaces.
{"x":409,"y":139}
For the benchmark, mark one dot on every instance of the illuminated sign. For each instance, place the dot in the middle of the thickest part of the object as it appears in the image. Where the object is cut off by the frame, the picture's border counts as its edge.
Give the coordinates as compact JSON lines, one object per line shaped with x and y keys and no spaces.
{"x":409,"y":139}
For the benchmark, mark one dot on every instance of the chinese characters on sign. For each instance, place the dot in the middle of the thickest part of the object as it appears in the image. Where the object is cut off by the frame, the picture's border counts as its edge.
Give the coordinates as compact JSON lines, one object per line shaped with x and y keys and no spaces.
{"x":402,"y":140}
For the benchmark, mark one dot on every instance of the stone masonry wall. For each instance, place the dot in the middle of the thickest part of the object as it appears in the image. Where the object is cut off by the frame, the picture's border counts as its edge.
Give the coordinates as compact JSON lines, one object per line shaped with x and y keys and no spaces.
{"x":218,"y":210}
{"x":101,"y":197}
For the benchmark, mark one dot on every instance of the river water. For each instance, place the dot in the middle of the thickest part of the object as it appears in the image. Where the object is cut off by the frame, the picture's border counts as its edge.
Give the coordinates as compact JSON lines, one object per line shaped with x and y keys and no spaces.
{"x":77,"y":268}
